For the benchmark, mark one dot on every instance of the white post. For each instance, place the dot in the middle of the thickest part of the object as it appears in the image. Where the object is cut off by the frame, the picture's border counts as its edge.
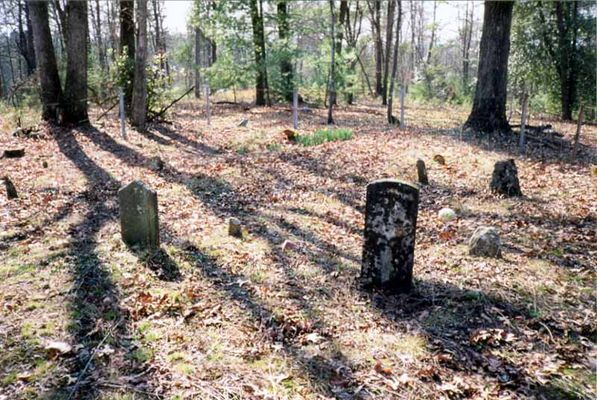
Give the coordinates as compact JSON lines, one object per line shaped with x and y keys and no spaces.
{"x":121,"y":107}
{"x":523,"y":121}
{"x":295,"y":108}
{"x":402,"y":123}
{"x":207,"y":104}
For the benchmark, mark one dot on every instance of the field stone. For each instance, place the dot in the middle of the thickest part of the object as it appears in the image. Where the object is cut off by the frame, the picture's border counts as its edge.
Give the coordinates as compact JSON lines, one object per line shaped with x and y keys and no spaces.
{"x":14,"y":153}
{"x":235,"y":228}
{"x":438,"y":158}
{"x":485,"y":242}
{"x":505,"y":179}
{"x":139,"y":215}
{"x":390,"y":224}
{"x":446,"y":214}
{"x":156,"y":164}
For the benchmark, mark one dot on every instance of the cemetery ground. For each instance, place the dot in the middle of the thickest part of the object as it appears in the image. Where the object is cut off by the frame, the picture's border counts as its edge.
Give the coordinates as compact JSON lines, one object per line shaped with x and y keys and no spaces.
{"x":280,"y":313}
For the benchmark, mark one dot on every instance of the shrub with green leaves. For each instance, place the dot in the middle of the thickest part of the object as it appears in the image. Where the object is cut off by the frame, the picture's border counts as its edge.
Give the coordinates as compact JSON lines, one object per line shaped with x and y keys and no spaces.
{"x":325,"y":135}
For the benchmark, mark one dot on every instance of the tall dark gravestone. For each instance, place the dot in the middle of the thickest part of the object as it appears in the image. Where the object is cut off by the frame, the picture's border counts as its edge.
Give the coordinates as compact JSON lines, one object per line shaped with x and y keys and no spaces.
{"x":390,"y":226}
{"x":139,"y":215}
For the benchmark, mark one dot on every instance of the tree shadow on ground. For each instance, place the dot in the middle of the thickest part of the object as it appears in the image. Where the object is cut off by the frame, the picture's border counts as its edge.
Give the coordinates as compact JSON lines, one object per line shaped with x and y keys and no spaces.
{"x":508,"y":146}
{"x":472,"y":335}
{"x":96,"y":312}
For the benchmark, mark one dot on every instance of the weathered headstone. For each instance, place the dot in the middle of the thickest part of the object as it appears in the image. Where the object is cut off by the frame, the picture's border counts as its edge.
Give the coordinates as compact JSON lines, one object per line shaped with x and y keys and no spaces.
{"x":422,"y":172}
{"x":235,"y":228}
{"x":505,"y":179}
{"x":485,"y":242}
{"x":139,"y":215}
{"x":390,"y":225}
{"x":11,"y":190}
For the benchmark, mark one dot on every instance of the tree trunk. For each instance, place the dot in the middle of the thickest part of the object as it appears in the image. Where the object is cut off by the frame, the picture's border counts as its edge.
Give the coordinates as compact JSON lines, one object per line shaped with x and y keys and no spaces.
{"x":30,"y":48}
{"x":259,"y":47}
{"x":23,"y":46}
{"x":139,"y":103}
{"x":75,"y":87}
{"x":376,"y":25}
{"x":467,"y":33}
{"x":197,"y":63}
{"x":428,"y":76}
{"x":127,"y":48}
{"x":332,"y":82}
{"x":391,"y":118}
{"x":567,"y":63}
{"x":285,"y":62}
{"x":389,"y":34}
{"x":51,"y":93}
{"x":100,"y":45}
{"x":489,"y":107}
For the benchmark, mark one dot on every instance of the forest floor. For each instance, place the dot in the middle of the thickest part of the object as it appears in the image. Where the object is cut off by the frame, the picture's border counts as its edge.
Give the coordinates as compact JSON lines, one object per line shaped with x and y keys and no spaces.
{"x":211,"y":316}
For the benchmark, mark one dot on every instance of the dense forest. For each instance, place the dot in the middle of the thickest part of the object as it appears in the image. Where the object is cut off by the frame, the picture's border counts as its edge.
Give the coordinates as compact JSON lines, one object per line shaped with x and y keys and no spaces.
{"x":292,"y":199}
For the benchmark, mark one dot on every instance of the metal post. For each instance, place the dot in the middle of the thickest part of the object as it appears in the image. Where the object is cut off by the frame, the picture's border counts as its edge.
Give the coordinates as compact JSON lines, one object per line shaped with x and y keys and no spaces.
{"x":121,"y":107}
{"x":295,"y":108}
{"x":207,"y":104}
{"x":402,"y":124}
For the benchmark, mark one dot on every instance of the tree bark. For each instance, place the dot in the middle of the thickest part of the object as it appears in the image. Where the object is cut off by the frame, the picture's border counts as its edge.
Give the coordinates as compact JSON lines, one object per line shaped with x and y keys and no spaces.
{"x":375,"y":12}
{"x":489,"y":107}
{"x":332,"y":81}
{"x":197,"y":63}
{"x":261,"y":88}
{"x":98,"y":31}
{"x":51,"y":93}
{"x":285,"y":63}
{"x":386,"y":64}
{"x":75,"y":88}
{"x":139,"y":101}
{"x":391,"y":118}
{"x":127,"y":48}
{"x":30,"y":48}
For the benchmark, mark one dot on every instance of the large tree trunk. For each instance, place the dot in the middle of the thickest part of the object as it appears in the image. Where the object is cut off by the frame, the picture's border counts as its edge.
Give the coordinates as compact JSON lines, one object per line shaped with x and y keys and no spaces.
{"x":389,"y":34}
{"x":127,"y":48}
{"x":489,"y":107}
{"x":139,"y":104}
{"x":24,"y":42}
{"x":285,"y":63}
{"x":75,"y":87}
{"x":261,"y":88}
{"x":51,"y":92}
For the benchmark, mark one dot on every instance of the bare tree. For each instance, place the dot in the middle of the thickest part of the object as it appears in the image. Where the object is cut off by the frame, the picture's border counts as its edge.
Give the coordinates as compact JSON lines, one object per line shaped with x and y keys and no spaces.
{"x":389,"y":34}
{"x":127,"y":47}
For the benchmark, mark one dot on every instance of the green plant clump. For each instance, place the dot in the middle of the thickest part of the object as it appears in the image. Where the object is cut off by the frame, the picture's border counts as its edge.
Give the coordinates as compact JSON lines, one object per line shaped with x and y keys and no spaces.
{"x":324,"y":135}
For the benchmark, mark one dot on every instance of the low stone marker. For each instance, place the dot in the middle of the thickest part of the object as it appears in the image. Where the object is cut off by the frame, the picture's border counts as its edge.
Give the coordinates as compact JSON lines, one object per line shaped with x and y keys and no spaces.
{"x":485,"y":242}
{"x":505,"y":179}
{"x":235,"y":228}
{"x":422,"y":172}
{"x":390,"y":225}
{"x":139,"y":215}
{"x":11,"y":190}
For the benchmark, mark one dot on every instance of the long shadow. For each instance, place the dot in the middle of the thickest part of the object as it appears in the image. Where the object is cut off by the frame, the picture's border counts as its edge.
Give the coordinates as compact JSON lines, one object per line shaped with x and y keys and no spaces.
{"x":318,"y":370}
{"x":39,"y":229}
{"x":467,"y":326}
{"x":332,"y":375}
{"x":508,"y":146}
{"x":95,"y":308}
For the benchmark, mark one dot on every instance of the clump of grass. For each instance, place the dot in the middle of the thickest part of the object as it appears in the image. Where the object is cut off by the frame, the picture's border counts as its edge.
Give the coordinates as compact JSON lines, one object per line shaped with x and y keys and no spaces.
{"x":324,"y":135}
